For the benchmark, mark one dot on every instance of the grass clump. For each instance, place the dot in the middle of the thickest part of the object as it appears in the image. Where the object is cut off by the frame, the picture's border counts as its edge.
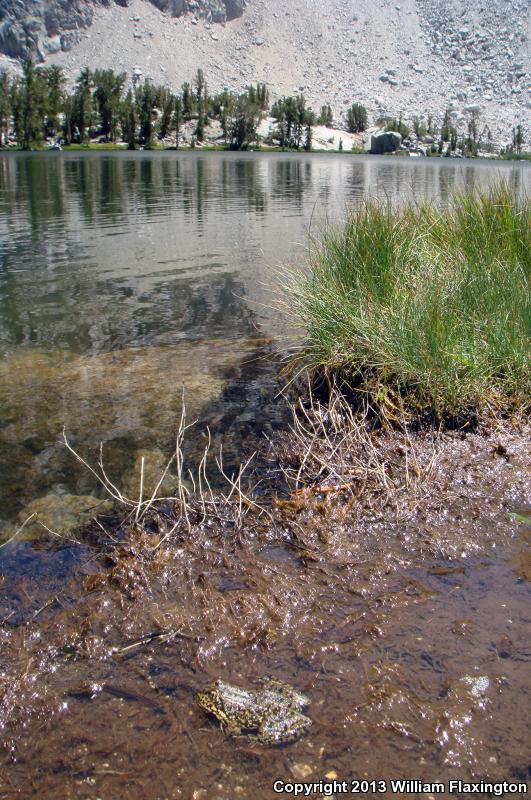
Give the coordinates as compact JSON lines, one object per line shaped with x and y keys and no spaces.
{"x":423,"y":306}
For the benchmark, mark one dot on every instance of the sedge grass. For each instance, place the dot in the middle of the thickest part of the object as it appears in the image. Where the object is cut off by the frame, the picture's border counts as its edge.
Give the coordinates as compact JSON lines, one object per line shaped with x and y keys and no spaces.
{"x":423,"y":305}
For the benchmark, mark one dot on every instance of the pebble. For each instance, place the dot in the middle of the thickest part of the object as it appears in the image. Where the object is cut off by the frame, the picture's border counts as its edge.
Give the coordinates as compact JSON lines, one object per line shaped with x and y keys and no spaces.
{"x":301,"y":771}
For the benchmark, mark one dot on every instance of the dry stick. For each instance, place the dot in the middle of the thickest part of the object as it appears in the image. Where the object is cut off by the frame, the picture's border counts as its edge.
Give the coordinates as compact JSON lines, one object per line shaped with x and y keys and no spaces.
{"x":54,"y":533}
{"x":98,"y":523}
{"x":104,"y":481}
{"x":151,"y":500}
{"x":181,"y":489}
{"x":201,"y":473}
{"x":19,"y":530}
{"x":121,"y":497}
{"x":248,"y":502}
{"x":162,"y":637}
{"x":141,"y":489}
{"x":166,"y":537}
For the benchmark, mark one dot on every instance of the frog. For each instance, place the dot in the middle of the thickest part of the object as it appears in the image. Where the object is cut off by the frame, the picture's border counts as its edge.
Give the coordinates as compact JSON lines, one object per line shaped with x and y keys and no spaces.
{"x":271,"y":714}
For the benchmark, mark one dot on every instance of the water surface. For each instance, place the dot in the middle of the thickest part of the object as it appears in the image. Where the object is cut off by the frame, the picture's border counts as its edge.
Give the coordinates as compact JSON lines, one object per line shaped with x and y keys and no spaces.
{"x":123,"y":279}
{"x":126,"y":276}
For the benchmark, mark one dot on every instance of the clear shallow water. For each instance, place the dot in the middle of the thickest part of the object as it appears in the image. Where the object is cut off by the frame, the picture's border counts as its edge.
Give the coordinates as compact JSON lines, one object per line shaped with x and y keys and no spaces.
{"x":124,"y":277}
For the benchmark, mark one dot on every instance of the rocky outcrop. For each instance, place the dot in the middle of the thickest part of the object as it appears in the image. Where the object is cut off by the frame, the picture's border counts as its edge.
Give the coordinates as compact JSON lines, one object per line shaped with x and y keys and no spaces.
{"x":385,"y":142}
{"x":234,"y":8}
{"x":33,"y":29}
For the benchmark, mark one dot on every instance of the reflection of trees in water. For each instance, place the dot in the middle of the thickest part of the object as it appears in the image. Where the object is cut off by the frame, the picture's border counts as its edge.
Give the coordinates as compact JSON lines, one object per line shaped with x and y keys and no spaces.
{"x":111,"y":191}
{"x":79,"y":269}
{"x":80,"y":183}
{"x":38,"y":191}
{"x":447,"y":182}
{"x":246,"y":175}
{"x":356,"y":180}
{"x":80,"y":303}
{"x":292,"y":180}
{"x":208,"y":183}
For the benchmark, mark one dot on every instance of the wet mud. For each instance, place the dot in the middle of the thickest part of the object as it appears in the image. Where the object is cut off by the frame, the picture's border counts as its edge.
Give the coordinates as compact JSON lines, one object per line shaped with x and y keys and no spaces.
{"x":406,"y":623}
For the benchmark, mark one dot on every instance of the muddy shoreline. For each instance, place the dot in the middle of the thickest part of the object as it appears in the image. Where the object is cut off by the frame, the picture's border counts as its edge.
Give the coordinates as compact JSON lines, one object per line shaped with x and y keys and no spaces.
{"x":400,"y":609}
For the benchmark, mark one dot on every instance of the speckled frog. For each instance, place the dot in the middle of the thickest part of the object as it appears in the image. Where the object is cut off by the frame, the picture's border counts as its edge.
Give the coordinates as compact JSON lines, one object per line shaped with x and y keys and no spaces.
{"x":270,"y":714}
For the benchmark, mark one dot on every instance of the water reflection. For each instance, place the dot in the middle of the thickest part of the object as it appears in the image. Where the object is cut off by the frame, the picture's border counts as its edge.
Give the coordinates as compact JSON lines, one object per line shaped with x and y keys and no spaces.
{"x":141,"y":259}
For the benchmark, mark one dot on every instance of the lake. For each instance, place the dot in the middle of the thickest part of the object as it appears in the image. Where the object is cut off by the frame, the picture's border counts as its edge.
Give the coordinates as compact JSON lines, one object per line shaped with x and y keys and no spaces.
{"x":127,"y":282}
{"x":127,"y":279}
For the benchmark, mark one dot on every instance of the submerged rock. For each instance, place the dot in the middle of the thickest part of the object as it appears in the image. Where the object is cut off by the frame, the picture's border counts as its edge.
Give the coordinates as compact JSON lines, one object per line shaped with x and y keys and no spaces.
{"x":130,"y":400}
{"x":60,"y":513}
{"x":155,"y":462}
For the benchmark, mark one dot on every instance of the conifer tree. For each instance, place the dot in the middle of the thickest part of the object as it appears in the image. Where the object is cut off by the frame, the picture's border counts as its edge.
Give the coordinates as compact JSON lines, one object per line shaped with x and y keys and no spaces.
{"x":108,"y":97}
{"x":166,"y":102}
{"x":129,"y":120}
{"x":30,"y":123}
{"x":200,"y":84}
{"x":200,"y":127}
{"x":5,"y":107}
{"x":83,"y":105}
{"x":357,"y":118}
{"x":145,"y":103}
{"x":178,"y":119}
{"x":308,"y":138}
{"x":17,"y":106}
{"x":518,"y":138}
{"x":326,"y":116}
{"x":188,"y":103}
{"x":55,"y":83}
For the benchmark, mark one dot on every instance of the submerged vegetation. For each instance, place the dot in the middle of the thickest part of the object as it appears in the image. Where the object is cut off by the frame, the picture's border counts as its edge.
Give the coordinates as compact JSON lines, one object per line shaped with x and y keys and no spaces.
{"x":421,"y":306}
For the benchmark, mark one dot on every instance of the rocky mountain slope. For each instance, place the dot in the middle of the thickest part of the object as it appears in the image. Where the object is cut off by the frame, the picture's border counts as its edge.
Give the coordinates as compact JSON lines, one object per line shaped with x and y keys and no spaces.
{"x":33,"y":29}
{"x":415,"y":57}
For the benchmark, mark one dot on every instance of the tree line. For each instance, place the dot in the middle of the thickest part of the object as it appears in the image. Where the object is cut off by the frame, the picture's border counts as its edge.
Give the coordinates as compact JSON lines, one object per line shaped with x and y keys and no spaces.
{"x":37,"y":106}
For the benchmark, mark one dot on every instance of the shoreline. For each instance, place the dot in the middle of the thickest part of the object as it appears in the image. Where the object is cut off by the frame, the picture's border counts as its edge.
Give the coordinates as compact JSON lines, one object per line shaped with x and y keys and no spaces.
{"x":374,"y":555}
{"x":104,"y":148}
{"x":328,"y":588}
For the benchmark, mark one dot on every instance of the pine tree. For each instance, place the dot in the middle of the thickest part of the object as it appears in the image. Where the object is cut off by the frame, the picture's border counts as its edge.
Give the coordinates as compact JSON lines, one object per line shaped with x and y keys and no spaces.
{"x":200,"y":128}
{"x":17,"y":109}
{"x":68,"y":118}
{"x":326,"y":117}
{"x":308,"y":138}
{"x":145,"y":103}
{"x":357,"y":120}
{"x":244,"y":123}
{"x":108,"y":97}
{"x":83,"y":105}
{"x":518,"y":138}
{"x":188,"y":103}
{"x":446,"y":129}
{"x":30,"y":124}
{"x":472,"y":141}
{"x":224,"y":123}
{"x":178,"y":119}
{"x":55,"y":84}
{"x":200,"y":83}
{"x":5,"y":107}
{"x":166,"y":103}
{"x":129,"y":121}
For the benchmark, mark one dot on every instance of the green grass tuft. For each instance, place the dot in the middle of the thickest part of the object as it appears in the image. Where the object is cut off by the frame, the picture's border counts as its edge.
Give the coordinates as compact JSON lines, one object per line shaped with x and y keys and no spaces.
{"x":425,"y":306}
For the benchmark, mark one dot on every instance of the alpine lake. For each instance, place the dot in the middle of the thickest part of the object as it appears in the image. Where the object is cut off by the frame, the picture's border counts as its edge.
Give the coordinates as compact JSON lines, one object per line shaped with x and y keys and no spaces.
{"x":131,"y":283}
